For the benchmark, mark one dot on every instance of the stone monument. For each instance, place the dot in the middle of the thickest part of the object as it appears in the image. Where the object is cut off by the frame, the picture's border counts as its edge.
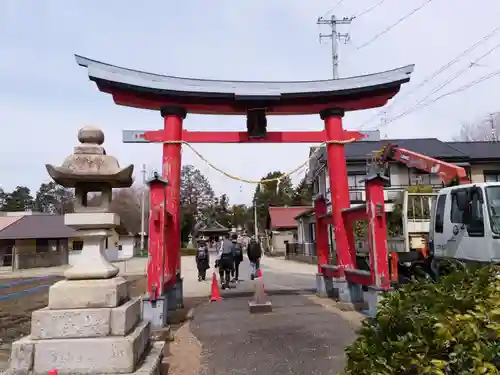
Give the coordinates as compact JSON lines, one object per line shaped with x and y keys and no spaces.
{"x":91,"y":325}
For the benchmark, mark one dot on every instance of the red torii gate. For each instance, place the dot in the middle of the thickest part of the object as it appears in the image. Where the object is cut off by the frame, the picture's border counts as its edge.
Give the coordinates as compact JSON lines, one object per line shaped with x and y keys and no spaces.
{"x":174,"y":97}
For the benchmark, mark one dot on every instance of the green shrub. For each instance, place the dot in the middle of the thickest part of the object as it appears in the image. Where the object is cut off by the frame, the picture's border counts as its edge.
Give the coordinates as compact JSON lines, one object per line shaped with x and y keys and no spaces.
{"x":450,"y":327}
{"x":188,"y":252}
{"x":184,"y":252}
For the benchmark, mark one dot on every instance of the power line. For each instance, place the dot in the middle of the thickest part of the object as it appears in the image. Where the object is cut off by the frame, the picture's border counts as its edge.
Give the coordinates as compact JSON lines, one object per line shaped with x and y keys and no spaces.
{"x":335,"y":36}
{"x":385,"y":31}
{"x":447,"y":82}
{"x":359,"y":14}
{"x":453,"y":92}
{"x":436,"y":73}
{"x":446,"y":66}
{"x":339,"y":2}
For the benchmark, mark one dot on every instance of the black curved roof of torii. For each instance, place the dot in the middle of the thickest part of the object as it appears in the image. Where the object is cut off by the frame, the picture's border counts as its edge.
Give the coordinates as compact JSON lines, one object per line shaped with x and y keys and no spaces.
{"x":111,"y":78}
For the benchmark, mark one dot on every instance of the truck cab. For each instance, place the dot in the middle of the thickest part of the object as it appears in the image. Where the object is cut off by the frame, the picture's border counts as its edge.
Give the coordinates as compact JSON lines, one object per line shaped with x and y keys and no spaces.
{"x":465,"y":223}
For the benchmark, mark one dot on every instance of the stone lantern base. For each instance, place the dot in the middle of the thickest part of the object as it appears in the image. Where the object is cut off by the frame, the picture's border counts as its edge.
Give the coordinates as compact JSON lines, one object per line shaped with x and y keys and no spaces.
{"x":88,"y":327}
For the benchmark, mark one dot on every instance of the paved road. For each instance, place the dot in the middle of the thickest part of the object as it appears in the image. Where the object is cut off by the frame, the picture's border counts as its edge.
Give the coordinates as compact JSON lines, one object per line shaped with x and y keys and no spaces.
{"x":298,"y":337}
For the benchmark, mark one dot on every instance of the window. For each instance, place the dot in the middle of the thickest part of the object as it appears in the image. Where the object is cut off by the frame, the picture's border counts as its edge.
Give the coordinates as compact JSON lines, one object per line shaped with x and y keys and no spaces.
{"x":491,"y":176}
{"x":356,"y":181}
{"x":312,"y":231}
{"x":473,"y":215}
{"x":322,"y":182}
{"x":456,"y":215}
{"x":42,"y":245}
{"x":493,"y":199}
{"x":475,"y":228}
{"x":77,"y":245}
{"x":315,"y":186}
{"x":439,"y":221}
{"x":417,"y":177}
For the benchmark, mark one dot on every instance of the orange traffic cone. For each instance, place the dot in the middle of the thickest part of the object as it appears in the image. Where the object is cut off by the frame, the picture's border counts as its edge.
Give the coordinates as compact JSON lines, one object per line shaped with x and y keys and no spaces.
{"x":259,"y":273}
{"x":215,"y":289}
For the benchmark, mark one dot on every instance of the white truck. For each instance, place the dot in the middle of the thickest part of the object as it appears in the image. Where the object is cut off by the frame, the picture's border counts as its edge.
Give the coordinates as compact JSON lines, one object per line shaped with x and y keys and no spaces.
{"x":464,"y":218}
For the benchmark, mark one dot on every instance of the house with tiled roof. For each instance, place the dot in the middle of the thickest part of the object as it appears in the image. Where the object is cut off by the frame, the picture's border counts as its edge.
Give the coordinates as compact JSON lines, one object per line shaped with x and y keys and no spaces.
{"x":281,"y":227}
{"x":35,"y":239}
{"x":31,"y":240}
{"x":481,"y":160}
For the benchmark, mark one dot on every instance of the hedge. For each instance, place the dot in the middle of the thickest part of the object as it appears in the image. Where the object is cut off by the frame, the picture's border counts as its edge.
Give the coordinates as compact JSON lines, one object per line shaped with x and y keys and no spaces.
{"x":184,"y":252}
{"x":188,"y":252}
{"x":450,"y":327}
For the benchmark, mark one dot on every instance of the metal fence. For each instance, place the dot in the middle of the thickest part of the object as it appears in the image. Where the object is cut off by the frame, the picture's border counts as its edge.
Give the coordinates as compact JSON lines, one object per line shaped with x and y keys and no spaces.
{"x":309,"y":249}
{"x":306,"y":249}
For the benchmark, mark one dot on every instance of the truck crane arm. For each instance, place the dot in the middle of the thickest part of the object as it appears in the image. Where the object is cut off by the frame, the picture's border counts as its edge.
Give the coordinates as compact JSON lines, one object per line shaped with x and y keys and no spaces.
{"x":450,"y":174}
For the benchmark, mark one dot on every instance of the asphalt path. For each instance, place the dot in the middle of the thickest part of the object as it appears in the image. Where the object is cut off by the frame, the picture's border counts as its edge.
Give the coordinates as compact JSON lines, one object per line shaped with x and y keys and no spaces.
{"x":298,"y":337}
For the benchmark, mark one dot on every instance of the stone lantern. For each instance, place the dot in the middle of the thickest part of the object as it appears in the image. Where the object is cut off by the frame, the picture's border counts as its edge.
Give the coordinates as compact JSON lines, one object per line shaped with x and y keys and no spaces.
{"x":89,"y":170}
{"x":91,"y":325}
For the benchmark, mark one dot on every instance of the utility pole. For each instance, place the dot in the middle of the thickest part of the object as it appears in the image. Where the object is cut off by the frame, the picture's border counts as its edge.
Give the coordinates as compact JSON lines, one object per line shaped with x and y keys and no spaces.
{"x":143,"y":205}
{"x":256,"y":227}
{"x":493,"y":129}
{"x":335,"y":36}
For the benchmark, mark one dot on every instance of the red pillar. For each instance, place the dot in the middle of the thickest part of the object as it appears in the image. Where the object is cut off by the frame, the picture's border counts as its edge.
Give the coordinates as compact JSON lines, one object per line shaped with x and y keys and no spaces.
{"x":377,"y":231}
{"x":321,"y":232}
{"x":338,"y":183}
{"x":349,"y":229}
{"x":171,"y":171}
{"x":156,"y":249}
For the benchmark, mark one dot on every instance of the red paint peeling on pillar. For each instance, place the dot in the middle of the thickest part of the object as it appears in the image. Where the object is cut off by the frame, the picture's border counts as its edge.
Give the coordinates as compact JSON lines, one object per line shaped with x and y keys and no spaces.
{"x":171,"y":171}
{"x":338,"y":183}
{"x":377,"y":231}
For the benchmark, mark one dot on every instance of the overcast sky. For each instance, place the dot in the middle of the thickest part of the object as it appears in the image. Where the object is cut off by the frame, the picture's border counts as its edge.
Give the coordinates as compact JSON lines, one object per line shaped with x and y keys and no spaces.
{"x":45,"y":97}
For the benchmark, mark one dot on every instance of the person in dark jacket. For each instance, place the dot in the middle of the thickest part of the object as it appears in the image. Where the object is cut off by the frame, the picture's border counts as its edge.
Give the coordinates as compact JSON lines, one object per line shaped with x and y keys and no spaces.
{"x":237,"y":257}
{"x":202,"y":260}
{"x":254,"y":252}
{"x":225,"y":262}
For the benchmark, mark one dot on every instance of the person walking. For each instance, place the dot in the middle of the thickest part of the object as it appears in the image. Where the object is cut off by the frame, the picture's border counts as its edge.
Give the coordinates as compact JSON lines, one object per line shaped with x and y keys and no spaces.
{"x":202,"y":260}
{"x":225,"y":262}
{"x":254,"y":253}
{"x":237,"y":257}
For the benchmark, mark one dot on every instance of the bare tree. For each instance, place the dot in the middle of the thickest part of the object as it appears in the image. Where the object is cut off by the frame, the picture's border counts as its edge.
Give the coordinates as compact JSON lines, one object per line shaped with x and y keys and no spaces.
{"x":486,"y":128}
{"x":127,"y":204}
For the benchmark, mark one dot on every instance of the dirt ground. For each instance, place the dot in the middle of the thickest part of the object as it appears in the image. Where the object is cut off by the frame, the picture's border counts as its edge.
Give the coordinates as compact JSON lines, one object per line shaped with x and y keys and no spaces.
{"x":15,"y":312}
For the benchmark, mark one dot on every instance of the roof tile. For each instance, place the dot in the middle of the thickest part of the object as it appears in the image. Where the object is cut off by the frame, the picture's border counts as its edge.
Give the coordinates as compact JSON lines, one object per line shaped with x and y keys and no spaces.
{"x":37,"y":226}
{"x":284,"y":217}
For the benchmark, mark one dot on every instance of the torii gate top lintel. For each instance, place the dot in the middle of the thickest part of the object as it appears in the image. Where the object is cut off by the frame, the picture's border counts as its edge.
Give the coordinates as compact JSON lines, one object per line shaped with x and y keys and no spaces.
{"x":203,"y":96}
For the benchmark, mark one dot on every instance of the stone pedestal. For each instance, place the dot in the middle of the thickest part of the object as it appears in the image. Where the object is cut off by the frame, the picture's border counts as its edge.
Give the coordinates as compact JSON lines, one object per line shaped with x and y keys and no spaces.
{"x":372,"y":297}
{"x":156,"y":311}
{"x":350,"y":295}
{"x":325,"y":287}
{"x":89,"y":327}
{"x":260,"y":302}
